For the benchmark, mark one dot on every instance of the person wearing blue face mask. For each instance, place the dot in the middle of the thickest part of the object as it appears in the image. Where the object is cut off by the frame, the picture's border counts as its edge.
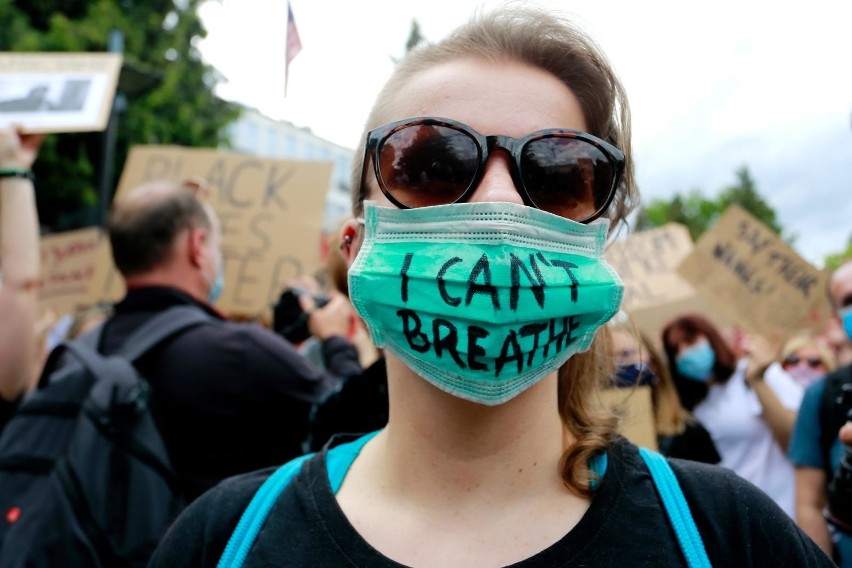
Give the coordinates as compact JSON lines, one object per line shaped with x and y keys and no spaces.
{"x":492,"y":165}
{"x":638,"y":362}
{"x":747,"y":405}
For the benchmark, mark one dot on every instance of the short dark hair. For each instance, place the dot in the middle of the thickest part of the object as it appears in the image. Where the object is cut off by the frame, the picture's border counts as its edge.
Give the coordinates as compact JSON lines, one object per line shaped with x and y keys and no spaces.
{"x":693,"y":392}
{"x":142,"y":236}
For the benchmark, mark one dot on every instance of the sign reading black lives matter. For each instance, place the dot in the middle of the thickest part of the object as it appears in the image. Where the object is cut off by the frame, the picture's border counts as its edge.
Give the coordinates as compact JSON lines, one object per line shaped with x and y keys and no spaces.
{"x":57,"y":92}
{"x":271,"y":213}
{"x":755,"y":277}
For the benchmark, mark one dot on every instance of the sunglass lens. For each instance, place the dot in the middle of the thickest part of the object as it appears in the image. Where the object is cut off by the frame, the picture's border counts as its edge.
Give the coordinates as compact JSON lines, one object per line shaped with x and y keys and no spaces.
{"x":428,"y":164}
{"x":566,"y":176}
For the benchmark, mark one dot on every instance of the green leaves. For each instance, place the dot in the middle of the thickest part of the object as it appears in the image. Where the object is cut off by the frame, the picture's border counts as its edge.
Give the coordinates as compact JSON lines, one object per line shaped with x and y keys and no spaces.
{"x":698,"y":212}
{"x":180,"y":109}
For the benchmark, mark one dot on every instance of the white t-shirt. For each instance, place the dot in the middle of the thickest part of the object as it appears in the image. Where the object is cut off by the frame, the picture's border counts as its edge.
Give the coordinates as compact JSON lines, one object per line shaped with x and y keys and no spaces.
{"x":732,"y":414}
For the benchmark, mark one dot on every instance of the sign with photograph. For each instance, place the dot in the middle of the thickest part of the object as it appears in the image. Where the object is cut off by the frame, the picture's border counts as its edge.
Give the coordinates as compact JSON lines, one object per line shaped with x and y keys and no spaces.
{"x":755,"y":278}
{"x":271,"y":213}
{"x":57,"y":92}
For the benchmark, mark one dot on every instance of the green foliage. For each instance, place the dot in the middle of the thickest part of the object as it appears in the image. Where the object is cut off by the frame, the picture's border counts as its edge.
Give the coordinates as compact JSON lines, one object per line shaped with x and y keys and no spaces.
{"x":698,"y":213}
{"x":833,"y":261}
{"x":414,"y":36}
{"x":160,"y":39}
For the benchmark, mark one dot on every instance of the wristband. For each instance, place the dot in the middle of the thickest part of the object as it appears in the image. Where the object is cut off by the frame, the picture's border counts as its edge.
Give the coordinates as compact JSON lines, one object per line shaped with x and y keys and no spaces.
{"x":24,"y":174}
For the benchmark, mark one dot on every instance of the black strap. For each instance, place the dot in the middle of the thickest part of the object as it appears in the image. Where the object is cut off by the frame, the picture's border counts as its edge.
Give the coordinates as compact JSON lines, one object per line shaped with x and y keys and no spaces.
{"x":161,"y":327}
{"x":156,"y":330}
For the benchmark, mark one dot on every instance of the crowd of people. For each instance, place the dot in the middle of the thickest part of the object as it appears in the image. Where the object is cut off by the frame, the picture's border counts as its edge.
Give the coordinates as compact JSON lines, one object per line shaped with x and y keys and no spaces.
{"x":435,"y":393}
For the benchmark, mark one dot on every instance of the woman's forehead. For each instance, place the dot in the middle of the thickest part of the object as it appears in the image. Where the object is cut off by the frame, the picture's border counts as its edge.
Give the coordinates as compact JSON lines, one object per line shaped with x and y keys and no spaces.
{"x":493,"y":97}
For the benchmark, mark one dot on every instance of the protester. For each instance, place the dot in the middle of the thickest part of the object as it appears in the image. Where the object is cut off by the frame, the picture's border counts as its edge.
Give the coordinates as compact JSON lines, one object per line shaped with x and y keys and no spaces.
{"x":227,"y":397}
{"x":19,"y":268}
{"x":478,"y":465}
{"x":679,"y":433}
{"x":805,"y":358}
{"x":815,"y":448}
{"x":747,"y":405}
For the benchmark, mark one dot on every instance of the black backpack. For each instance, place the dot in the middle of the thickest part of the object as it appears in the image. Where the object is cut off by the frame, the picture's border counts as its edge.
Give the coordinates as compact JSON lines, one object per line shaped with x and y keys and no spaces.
{"x":85,"y":479}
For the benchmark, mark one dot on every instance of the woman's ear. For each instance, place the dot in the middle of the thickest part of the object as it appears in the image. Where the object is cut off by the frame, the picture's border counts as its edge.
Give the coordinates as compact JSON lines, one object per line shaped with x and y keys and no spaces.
{"x":350,"y":241}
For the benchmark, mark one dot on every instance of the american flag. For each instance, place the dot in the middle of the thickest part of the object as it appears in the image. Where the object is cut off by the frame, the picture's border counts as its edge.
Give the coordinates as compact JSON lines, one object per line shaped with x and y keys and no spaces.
{"x":294,"y":44}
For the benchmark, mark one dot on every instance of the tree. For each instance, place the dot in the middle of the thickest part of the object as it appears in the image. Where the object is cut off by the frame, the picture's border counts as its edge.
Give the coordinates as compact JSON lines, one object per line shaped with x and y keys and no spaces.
{"x":698,"y":213}
{"x":415,"y":38}
{"x":160,"y":37}
{"x":833,"y":261}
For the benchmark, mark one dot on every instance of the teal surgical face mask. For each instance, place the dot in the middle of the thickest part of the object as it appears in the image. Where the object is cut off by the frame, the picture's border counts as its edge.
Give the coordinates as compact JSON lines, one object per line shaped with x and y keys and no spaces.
{"x":696,"y":363}
{"x":482,"y":300}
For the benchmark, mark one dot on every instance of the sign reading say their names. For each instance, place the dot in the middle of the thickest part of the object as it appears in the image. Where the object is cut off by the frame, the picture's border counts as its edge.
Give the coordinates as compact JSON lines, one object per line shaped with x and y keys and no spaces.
{"x":647,"y":262}
{"x":271,"y":214}
{"x":755,"y":277}
{"x":68,"y":263}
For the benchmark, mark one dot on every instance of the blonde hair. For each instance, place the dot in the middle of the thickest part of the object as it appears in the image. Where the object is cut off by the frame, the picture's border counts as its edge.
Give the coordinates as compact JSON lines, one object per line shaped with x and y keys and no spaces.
{"x":540,"y":39}
{"x":804,"y":339}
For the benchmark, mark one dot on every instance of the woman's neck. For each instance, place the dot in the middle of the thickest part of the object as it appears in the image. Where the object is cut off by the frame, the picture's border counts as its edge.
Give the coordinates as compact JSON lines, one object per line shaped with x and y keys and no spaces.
{"x":437,"y":442}
{"x":464,"y":484}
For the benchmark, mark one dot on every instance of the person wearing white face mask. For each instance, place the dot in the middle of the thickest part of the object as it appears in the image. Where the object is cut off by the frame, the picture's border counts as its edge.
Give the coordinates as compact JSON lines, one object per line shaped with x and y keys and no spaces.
{"x":747,"y":405}
{"x":806,"y":359}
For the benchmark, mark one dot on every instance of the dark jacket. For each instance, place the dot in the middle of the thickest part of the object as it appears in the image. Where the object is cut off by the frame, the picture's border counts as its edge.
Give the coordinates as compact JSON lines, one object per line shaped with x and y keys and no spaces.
{"x":228,"y":397}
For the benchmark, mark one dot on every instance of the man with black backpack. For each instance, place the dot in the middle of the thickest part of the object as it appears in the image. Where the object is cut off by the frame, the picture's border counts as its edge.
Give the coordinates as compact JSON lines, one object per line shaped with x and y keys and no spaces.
{"x":220,"y":398}
{"x":816,"y":449}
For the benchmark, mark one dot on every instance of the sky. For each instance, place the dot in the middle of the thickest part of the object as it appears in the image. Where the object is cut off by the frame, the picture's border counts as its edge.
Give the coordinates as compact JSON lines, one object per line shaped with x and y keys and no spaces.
{"x":713,"y":86}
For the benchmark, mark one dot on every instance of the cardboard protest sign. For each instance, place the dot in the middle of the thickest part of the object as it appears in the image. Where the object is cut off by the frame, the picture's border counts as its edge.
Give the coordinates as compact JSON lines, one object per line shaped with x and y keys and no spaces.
{"x":647,"y":262}
{"x":755,"y":278}
{"x":57,"y":92}
{"x":271,"y":213}
{"x":68,"y":269}
{"x":637,"y":414}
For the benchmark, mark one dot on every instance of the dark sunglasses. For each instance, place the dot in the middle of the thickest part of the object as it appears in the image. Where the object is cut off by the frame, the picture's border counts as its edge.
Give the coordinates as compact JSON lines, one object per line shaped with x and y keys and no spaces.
{"x":794,"y":359}
{"x":435,"y":161}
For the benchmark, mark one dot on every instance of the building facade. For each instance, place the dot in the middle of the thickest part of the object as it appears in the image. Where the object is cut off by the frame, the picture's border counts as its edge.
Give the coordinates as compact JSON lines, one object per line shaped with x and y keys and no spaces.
{"x":256,"y":134}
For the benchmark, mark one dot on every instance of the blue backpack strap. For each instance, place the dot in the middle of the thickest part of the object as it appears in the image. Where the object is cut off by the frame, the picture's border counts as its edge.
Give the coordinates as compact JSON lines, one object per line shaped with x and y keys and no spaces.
{"x":338,"y":461}
{"x":677,"y":509}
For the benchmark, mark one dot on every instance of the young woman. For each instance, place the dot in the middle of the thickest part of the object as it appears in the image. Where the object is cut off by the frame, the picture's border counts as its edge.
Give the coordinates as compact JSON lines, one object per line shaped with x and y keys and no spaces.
{"x":679,"y":433}
{"x":515,"y":130}
{"x":749,"y":407}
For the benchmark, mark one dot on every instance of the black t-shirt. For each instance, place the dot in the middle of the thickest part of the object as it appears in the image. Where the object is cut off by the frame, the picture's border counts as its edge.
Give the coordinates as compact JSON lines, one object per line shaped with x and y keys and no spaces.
{"x":694,"y":443}
{"x":625,"y":525}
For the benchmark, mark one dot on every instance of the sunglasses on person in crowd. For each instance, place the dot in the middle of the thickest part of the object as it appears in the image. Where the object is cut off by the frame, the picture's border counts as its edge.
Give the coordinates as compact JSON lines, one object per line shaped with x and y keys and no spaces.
{"x":436,"y":161}
{"x":793,"y":359}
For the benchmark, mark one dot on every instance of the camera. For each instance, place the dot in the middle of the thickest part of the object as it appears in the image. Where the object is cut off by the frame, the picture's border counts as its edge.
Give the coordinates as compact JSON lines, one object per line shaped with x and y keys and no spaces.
{"x":839,"y":509}
{"x":288,"y":318}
